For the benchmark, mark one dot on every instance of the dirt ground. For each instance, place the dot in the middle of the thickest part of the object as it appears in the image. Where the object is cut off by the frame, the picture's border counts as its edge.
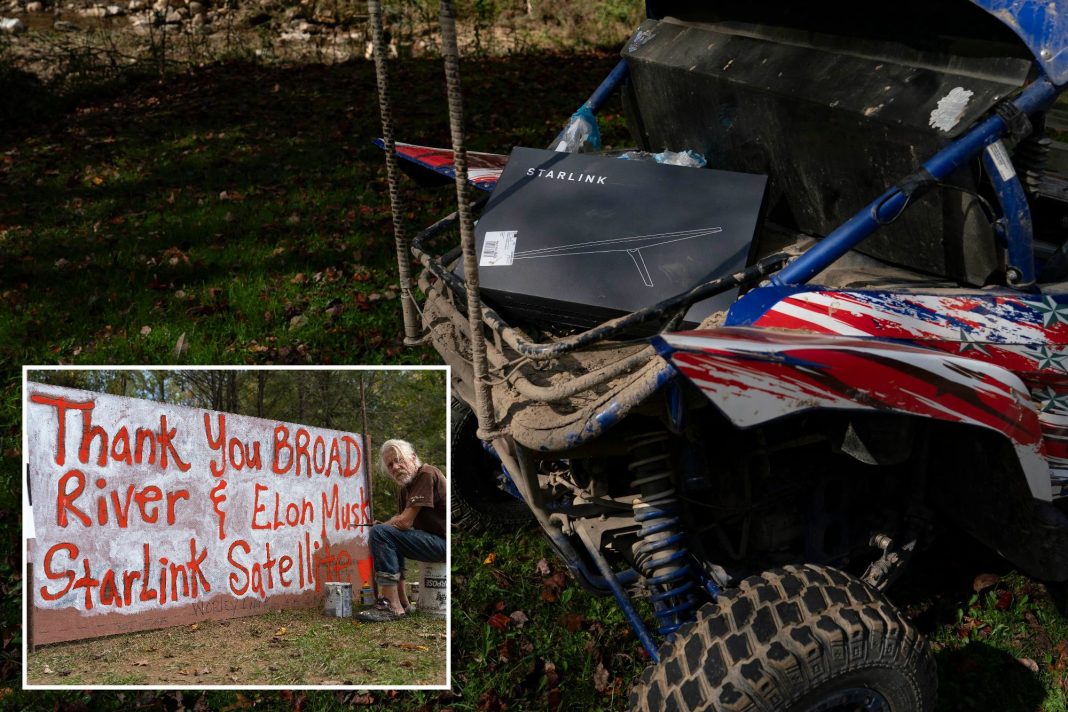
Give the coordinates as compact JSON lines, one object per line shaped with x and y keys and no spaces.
{"x":294,"y":647}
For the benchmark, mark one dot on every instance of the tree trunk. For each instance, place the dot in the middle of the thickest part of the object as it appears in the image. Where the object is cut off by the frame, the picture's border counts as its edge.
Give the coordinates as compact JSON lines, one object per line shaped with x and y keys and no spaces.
{"x":261,"y":385}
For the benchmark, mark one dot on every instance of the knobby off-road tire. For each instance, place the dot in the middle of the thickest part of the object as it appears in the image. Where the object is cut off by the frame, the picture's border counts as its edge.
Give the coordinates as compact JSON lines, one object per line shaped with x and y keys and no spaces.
{"x":478,"y":503}
{"x":797,"y":639}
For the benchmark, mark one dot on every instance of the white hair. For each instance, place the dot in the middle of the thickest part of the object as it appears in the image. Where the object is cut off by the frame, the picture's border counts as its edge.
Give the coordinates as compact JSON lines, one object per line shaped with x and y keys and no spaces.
{"x":402,"y":447}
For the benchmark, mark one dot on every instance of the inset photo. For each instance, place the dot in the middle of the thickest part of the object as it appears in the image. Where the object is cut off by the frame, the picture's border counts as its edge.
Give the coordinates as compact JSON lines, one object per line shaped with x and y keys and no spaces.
{"x":213,"y":527}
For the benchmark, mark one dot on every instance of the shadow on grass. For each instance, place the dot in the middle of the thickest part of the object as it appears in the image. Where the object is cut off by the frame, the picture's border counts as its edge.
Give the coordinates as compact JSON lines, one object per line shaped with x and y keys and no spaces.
{"x":978,"y":676}
{"x":210,"y":205}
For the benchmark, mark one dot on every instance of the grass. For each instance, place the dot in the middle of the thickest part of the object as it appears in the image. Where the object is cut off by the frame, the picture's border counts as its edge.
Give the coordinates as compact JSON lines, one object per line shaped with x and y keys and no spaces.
{"x":302,"y":648}
{"x":1005,"y":647}
{"x":529,"y":637}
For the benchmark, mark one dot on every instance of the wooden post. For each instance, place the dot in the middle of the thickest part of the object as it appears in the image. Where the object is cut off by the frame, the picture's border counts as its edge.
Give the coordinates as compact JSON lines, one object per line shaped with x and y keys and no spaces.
{"x":369,"y":454}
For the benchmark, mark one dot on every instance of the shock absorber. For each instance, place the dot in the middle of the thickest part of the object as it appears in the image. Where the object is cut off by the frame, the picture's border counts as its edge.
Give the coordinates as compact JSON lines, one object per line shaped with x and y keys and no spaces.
{"x":659,"y":553}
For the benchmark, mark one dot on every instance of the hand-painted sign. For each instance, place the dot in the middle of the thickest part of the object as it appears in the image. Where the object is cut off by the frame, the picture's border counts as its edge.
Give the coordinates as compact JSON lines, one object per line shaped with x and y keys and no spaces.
{"x":148,"y":515}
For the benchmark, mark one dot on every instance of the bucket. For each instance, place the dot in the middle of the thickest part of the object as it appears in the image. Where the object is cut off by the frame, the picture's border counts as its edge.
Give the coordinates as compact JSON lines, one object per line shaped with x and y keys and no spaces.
{"x":338,"y":603}
{"x":433,"y":589}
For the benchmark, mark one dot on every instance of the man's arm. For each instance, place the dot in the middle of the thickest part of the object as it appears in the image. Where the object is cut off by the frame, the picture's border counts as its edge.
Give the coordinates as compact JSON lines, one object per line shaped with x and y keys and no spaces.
{"x":405,"y":520}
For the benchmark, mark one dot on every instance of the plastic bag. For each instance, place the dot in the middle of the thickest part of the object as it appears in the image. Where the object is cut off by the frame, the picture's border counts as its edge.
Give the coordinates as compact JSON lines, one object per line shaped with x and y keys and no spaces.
{"x":581,"y":129}
{"x":688,"y":158}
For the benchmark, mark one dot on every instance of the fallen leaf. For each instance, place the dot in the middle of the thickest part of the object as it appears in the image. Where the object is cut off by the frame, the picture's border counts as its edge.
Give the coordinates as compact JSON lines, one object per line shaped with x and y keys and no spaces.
{"x":180,"y":345}
{"x":195,"y":626}
{"x":543,"y":567}
{"x":358,"y":699}
{"x":552,"y":586}
{"x":280,"y":631}
{"x":519,"y":618}
{"x":411,"y":646}
{"x":298,"y":278}
{"x":491,"y":558}
{"x":48,"y":671}
{"x":141,"y":663}
{"x":241,"y":703}
{"x":572,"y":621}
{"x":1028,"y":663}
{"x":146,"y":330}
{"x":1060,"y":656}
{"x":1004,"y":600}
{"x":295,"y":698}
{"x":499,"y":621}
{"x":489,"y":701}
{"x":600,"y":678}
{"x":984,"y":581}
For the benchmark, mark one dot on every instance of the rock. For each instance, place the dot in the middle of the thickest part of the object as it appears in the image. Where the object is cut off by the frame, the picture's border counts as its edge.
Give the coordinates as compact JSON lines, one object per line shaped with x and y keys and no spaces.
{"x":258,"y":19}
{"x":197,"y":8}
{"x":93,"y":11}
{"x":114,"y":11}
{"x":35,"y":7}
{"x":64,"y":26}
{"x":173,"y":17}
{"x":161,"y":5}
{"x":135,"y":5}
{"x":198,"y":20}
{"x":11,"y":25}
{"x":294,"y":36}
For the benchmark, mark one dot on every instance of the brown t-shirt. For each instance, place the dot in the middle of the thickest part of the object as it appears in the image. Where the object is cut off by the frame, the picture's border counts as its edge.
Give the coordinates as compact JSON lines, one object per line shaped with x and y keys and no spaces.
{"x":427,"y":491}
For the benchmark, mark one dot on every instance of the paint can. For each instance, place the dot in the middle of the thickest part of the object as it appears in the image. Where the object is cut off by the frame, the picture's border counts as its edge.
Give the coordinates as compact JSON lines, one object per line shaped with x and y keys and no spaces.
{"x":433,"y":589}
{"x":338,"y":603}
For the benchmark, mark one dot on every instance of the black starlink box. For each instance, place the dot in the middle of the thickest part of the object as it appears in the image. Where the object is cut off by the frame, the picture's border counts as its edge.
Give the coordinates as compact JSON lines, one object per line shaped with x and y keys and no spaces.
{"x":576,"y":239}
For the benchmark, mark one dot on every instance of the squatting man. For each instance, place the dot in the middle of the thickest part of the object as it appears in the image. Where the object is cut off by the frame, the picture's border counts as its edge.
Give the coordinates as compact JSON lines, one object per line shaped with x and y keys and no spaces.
{"x":416,"y":532}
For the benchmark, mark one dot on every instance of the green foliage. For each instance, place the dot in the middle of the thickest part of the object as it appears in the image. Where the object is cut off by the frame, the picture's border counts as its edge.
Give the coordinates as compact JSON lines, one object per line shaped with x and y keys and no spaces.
{"x":1004,"y":648}
{"x":617,"y":12}
{"x":527,"y":635}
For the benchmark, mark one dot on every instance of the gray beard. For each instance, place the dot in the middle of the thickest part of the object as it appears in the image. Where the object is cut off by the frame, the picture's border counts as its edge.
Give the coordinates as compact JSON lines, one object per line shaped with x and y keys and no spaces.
{"x":404,"y":479}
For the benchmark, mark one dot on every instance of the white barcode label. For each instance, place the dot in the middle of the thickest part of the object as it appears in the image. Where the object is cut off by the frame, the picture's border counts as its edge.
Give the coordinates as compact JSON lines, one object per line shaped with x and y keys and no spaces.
{"x":498,"y":249}
{"x":1001,"y":160}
